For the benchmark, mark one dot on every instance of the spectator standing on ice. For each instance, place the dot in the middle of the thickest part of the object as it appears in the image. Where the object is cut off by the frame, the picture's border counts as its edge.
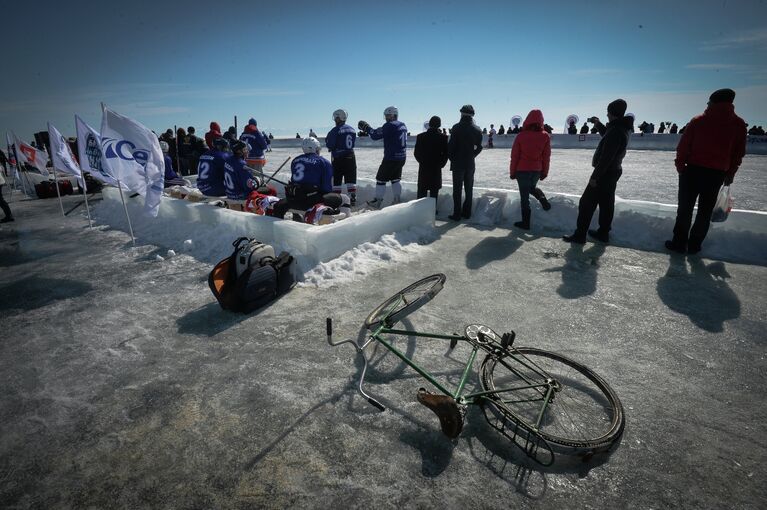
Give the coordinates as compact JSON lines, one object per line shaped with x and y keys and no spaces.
{"x":394,"y":135}
{"x":340,"y":142}
{"x":311,"y":181}
{"x":238,"y":181}
{"x":231,"y":135}
{"x":585,"y":128}
{"x":184,"y":151}
{"x":572,"y":129}
{"x":708,"y":155}
{"x":662,"y":128}
{"x":431,"y":153}
{"x":465,"y":144}
{"x":530,"y":156}
{"x":3,"y":204}
{"x":606,"y":161}
{"x":210,"y":170}
{"x":490,"y":135}
{"x":210,"y":136}
{"x":673,"y":129}
{"x":312,"y":134}
{"x":198,"y":147}
{"x":501,"y":130}
{"x":255,"y":140}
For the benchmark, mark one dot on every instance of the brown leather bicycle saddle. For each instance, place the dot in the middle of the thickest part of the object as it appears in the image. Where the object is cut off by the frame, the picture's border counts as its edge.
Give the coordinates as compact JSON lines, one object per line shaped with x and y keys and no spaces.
{"x":446,"y":409}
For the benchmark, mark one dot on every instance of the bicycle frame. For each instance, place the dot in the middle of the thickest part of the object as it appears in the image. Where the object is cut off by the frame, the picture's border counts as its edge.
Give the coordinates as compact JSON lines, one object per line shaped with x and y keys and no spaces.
{"x":546,"y":386}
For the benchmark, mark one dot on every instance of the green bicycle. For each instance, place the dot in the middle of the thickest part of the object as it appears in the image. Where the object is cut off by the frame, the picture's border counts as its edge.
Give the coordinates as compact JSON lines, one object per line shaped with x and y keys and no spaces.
{"x":542,"y":401}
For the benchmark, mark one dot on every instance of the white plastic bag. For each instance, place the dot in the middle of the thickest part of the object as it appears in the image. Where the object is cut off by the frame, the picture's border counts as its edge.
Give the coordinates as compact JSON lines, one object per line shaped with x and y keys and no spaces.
{"x":723,"y":205}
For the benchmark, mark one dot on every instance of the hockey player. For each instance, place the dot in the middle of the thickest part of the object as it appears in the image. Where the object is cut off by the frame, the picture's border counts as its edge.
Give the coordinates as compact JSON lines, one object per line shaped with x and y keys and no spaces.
{"x":340,"y":142}
{"x":255,"y":139}
{"x":210,"y":170}
{"x":238,"y":181}
{"x":394,"y":134}
{"x":311,"y":181}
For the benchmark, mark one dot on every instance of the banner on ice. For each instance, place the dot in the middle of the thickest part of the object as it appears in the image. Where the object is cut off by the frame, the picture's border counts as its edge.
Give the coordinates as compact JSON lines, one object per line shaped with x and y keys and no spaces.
{"x":31,"y":156}
{"x":133,"y":153}
{"x":61,"y":155}
{"x":91,"y":158}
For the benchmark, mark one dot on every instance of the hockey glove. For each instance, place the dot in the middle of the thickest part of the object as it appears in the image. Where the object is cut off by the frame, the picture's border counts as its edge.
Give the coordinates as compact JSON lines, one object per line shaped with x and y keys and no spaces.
{"x":364,"y":126}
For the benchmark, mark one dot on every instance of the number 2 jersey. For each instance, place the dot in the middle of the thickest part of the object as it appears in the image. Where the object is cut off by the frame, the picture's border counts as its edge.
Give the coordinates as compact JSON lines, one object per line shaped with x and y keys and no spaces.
{"x":394,"y":134}
{"x":340,"y":141}
{"x":210,"y":173}
{"x":313,"y":171}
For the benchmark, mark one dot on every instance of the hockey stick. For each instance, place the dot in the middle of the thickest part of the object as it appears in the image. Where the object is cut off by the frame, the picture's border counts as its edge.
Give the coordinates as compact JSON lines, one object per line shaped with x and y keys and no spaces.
{"x":276,"y":171}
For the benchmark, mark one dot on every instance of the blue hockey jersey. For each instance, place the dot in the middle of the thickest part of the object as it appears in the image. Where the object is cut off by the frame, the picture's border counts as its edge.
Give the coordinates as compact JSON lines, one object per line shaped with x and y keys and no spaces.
{"x":312,"y":170}
{"x":210,"y":173}
{"x":394,"y":134}
{"x":340,"y":140}
{"x":257,"y":143}
{"x":238,"y":182}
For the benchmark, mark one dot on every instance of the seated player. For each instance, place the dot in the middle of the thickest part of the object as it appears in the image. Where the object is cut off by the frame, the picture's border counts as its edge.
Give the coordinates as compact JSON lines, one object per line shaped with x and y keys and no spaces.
{"x":210,"y":169}
{"x":238,"y":181}
{"x":311,"y":181}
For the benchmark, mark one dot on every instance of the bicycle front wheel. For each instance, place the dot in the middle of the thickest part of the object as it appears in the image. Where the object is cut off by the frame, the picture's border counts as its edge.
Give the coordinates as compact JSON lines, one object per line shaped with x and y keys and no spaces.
{"x":406,"y":301}
{"x":584,"y":413}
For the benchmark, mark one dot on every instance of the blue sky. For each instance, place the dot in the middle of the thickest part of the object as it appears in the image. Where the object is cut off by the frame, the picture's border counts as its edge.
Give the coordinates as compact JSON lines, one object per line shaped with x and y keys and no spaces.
{"x":290,"y":64}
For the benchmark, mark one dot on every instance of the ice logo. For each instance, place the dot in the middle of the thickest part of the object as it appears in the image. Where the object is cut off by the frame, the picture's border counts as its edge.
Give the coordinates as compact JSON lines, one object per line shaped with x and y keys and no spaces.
{"x":124,"y":149}
{"x":93,"y":152}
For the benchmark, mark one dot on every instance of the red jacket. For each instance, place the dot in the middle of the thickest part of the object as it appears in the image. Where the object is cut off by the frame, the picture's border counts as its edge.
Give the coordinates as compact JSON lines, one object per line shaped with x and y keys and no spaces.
{"x":215,"y":132}
{"x":531,"y":151}
{"x":715,"y":139}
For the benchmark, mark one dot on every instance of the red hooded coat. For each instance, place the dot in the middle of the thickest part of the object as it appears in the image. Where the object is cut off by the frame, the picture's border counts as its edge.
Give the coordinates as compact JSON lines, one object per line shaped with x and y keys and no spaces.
{"x":215,"y":132}
{"x":531,"y":151}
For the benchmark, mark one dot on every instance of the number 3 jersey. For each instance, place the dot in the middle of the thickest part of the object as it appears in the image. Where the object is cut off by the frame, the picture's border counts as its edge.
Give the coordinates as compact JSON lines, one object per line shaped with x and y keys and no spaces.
{"x":394,"y":134}
{"x":210,"y":173}
{"x":312,"y":170}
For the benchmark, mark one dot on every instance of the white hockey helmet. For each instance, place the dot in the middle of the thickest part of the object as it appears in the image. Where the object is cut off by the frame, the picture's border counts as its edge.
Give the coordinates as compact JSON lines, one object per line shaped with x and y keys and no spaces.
{"x":310,"y":145}
{"x":340,"y":115}
{"x":391,"y":113}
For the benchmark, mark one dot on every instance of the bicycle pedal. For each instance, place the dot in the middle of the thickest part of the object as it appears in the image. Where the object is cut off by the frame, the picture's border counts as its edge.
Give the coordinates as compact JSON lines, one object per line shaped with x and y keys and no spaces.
{"x":446,"y":409}
{"x":508,"y":339}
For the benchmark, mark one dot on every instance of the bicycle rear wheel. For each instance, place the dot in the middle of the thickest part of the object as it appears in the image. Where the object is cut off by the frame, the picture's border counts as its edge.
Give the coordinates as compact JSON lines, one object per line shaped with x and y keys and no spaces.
{"x":585,"y":413}
{"x":406,"y":301}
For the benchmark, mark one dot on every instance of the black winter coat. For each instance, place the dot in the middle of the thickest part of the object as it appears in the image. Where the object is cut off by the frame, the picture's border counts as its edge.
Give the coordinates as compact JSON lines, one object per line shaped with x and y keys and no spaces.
{"x":611,"y":150}
{"x":464,"y":145}
{"x":431,"y":153}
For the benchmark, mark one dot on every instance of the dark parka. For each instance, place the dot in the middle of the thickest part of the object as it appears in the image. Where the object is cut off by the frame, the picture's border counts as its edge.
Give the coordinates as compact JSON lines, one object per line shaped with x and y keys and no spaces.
{"x":465,"y":144}
{"x":431,"y":153}
{"x":611,"y":150}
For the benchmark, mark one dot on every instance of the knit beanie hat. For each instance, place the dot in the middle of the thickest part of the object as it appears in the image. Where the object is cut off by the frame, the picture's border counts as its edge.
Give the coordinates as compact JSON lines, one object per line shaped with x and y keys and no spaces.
{"x":252,"y":122}
{"x":467,"y":109}
{"x":435,"y":122}
{"x":617,"y":108}
{"x":722,"y":96}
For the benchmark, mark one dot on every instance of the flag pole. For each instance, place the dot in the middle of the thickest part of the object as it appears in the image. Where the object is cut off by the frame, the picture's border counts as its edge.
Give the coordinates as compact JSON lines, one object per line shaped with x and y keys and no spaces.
{"x":85,"y":196}
{"x":122,"y":197}
{"x":58,"y":192}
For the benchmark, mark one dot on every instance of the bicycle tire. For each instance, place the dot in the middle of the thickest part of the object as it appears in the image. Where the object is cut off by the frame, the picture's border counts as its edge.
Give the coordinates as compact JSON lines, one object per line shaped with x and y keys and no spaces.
{"x":586,"y":413}
{"x":406,"y":301}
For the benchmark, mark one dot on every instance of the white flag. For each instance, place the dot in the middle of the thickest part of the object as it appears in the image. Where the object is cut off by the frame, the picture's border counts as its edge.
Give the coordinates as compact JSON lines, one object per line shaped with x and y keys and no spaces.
{"x":133,"y":154}
{"x":91,"y":158}
{"x":61,"y":155}
{"x":33,"y":157}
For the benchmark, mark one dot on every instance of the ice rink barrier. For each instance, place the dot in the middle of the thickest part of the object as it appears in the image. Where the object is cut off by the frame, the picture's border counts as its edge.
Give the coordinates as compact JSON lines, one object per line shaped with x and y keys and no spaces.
{"x":212,"y":229}
{"x":656,"y":142}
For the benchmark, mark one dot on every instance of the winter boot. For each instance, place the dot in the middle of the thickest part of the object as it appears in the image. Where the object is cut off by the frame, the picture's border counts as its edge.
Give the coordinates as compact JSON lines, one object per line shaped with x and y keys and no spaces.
{"x":352,"y":198}
{"x":525,"y":223}
{"x":538,"y":194}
